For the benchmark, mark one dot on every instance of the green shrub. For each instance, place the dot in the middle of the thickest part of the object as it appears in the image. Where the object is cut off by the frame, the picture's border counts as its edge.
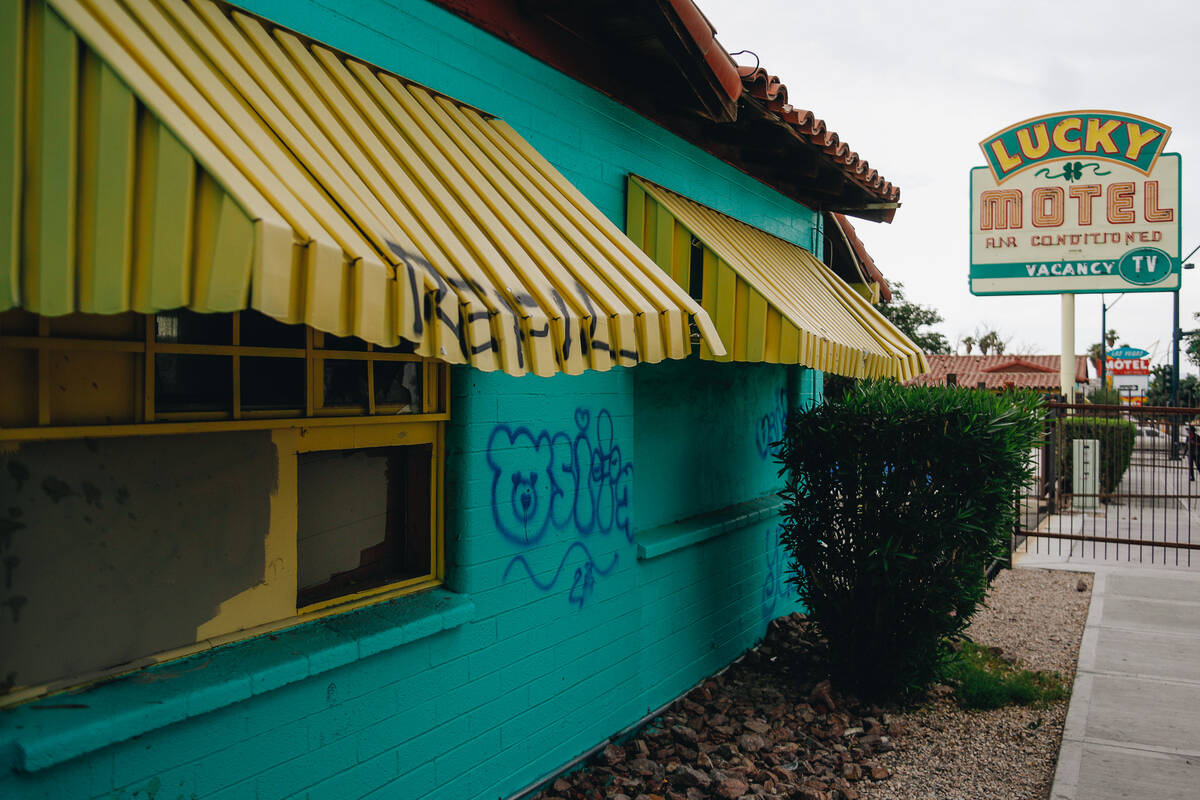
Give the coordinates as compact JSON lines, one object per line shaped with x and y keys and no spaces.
{"x":983,"y":680}
{"x":1116,"y":437}
{"x":896,"y":500}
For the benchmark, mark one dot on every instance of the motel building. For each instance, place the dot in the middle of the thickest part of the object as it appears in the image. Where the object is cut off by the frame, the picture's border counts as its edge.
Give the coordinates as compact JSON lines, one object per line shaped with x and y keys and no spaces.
{"x":388,"y":390}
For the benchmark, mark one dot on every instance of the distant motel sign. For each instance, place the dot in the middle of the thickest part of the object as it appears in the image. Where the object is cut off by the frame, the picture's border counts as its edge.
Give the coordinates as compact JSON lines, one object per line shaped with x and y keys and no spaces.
{"x":1128,"y":361}
{"x":1079,"y":201}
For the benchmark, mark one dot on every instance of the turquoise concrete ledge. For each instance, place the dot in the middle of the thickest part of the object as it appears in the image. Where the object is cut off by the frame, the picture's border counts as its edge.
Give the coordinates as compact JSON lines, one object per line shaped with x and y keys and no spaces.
{"x":62,"y":727}
{"x":655,"y":542}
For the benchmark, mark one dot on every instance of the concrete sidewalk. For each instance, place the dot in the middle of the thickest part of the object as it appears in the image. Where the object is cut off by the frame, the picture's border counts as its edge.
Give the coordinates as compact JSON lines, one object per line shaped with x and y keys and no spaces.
{"x":1133,"y":726}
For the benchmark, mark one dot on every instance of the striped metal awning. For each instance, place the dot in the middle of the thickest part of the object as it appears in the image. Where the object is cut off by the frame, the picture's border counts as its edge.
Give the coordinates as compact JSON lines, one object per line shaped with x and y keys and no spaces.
{"x":181,"y":153}
{"x":771,"y":300}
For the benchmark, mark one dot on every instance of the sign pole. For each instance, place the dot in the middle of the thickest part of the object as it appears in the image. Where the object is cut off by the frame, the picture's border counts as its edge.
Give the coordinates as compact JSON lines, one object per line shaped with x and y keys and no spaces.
{"x":1066,"y":367}
{"x":1175,"y":336}
{"x":1103,"y":365}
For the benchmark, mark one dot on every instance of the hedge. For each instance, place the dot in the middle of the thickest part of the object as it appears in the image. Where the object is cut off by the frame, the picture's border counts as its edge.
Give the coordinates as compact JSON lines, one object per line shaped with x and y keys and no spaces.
{"x":896,"y":500}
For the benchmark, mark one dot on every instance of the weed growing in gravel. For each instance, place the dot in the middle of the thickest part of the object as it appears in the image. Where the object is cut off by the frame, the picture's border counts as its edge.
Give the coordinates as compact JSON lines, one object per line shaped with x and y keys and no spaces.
{"x":982,"y":679}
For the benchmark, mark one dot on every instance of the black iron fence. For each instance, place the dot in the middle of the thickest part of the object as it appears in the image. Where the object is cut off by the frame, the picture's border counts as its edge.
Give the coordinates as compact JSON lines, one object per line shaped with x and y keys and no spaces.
{"x":1113,"y":483}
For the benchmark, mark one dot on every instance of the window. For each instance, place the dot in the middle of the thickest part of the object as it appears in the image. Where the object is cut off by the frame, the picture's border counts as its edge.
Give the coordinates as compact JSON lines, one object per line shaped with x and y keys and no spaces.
{"x":302,"y":476}
{"x":364,"y":520}
{"x":131,"y":369}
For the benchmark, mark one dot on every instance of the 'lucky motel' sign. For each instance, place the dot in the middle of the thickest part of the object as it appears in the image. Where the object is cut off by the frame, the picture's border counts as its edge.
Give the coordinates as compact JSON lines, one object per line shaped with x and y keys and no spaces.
{"x":1078,"y":201}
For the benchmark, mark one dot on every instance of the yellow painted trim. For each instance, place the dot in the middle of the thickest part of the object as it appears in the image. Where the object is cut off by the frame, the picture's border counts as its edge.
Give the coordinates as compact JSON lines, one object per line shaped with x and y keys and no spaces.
{"x":435,"y":376}
{"x":349,"y":437}
{"x":346,"y":437}
{"x":274,"y":597}
{"x":43,"y":376}
{"x":12,"y":68}
{"x":339,"y":605}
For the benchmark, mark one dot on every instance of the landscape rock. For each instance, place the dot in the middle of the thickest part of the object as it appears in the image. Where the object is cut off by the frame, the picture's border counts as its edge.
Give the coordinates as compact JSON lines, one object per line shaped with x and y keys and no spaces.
{"x":822,"y":695}
{"x":766,"y":729}
{"x":690,"y":776}
{"x":756,"y":726}
{"x":642,"y":766}
{"x":612,"y":755}
{"x":731,"y":788}
{"x":751,"y":743}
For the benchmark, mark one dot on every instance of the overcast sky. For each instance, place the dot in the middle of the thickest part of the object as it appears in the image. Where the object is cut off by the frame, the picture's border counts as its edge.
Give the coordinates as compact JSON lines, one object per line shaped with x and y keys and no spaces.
{"x":913,"y":87}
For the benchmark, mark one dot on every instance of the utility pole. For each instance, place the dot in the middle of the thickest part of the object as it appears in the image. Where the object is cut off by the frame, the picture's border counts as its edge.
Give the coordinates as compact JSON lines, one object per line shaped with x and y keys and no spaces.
{"x":1176,"y":335}
{"x":1103,"y":348}
{"x":1104,"y":309}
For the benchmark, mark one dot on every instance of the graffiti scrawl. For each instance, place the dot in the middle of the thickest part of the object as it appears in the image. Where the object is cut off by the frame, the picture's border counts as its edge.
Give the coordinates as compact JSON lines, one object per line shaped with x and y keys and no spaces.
{"x":770,"y":426}
{"x":774,"y":587}
{"x":585,"y":575}
{"x":569,"y":481}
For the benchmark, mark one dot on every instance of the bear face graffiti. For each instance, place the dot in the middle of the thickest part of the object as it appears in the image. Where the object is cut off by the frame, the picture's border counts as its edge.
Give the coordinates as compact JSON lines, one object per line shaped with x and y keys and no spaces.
{"x":524,"y":495}
{"x":522,"y":483}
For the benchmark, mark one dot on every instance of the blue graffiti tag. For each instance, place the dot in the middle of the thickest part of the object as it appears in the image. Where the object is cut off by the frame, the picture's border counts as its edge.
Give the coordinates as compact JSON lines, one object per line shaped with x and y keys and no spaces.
{"x":774,"y":587}
{"x":522,"y":482}
{"x":566,"y":481}
{"x":585,"y":581}
{"x":770,"y":426}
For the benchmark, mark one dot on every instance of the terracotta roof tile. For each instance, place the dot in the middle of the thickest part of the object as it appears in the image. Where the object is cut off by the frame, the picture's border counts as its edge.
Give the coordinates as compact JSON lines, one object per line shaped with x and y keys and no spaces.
{"x":770,"y":90}
{"x":704,"y":35}
{"x":995,"y":371}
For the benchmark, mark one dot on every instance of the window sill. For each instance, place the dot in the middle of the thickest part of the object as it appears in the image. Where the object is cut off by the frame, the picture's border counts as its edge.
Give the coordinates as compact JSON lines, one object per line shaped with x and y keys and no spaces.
{"x":54,"y":730}
{"x":655,"y":542}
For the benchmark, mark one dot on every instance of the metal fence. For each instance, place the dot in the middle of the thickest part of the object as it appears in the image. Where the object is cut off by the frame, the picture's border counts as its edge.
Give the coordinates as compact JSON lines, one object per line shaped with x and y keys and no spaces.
{"x":1113,"y":483}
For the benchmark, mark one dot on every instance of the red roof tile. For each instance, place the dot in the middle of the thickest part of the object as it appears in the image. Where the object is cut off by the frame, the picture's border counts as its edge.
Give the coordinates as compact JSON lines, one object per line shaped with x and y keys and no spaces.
{"x":769,"y":89}
{"x":996,"y":372}
{"x":724,"y":68}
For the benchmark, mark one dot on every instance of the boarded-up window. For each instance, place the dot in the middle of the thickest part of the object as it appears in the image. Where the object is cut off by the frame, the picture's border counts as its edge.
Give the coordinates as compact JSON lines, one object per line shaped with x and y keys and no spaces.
{"x":364,"y":520}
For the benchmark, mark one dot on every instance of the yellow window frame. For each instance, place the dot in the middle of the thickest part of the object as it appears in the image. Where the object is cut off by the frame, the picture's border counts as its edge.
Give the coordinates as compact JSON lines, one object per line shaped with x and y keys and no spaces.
{"x":147,"y":420}
{"x":349,"y":437}
{"x":312,"y":429}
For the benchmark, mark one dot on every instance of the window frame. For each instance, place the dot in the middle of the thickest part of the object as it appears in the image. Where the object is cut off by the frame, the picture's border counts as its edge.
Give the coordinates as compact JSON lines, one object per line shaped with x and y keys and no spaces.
{"x":314,"y":428}
{"x":435,"y":395}
{"x":324,"y":439}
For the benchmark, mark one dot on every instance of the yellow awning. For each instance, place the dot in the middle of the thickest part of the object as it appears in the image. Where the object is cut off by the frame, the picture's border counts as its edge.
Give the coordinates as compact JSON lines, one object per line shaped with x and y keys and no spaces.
{"x":182,"y":153}
{"x":771,"y":300}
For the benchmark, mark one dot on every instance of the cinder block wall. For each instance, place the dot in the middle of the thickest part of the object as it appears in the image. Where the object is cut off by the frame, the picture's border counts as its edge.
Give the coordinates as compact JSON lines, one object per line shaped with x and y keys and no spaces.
{"x":572,"y":637}
{"x":590,"y":637}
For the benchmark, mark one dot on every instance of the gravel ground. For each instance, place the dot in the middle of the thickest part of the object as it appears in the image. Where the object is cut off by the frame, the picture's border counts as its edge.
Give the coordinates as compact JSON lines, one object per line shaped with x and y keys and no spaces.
{"x":771,"y":728}
{"x":1010,"y":753}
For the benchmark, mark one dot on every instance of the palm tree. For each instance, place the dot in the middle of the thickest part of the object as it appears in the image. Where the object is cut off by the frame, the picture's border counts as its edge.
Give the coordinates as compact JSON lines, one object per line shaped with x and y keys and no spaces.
{"x":969,"y":343}
{"x":991,"y":341}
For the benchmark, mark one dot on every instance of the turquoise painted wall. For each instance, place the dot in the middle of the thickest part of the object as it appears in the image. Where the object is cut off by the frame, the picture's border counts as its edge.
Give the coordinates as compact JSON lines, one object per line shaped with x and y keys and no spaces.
{"x":548,"y":484}
{"x":704,"y":431}
{"x":571,"y":639}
